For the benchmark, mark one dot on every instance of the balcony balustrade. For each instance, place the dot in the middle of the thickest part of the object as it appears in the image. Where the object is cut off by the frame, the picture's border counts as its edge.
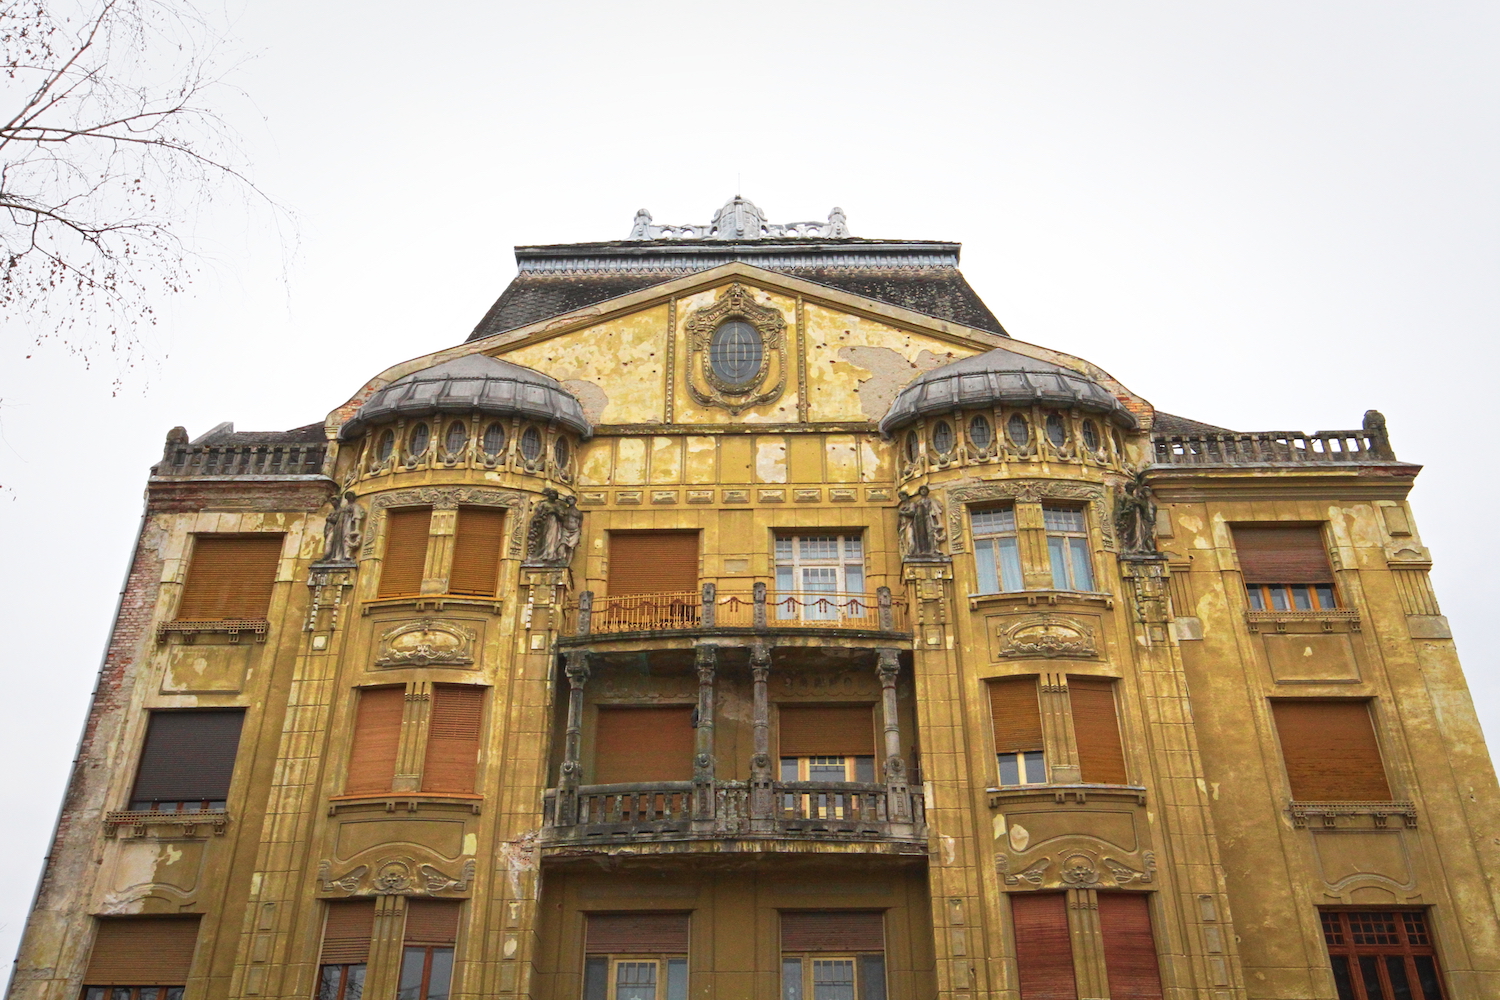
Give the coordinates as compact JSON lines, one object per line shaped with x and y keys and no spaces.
{"x":757,"y":609}
{"x":242,"y":460}
{"x":1368,"y":445}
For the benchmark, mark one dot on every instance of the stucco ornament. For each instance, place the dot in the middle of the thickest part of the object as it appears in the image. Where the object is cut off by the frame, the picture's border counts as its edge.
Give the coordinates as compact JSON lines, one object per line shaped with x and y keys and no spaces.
{"x":766,"y":382}
{"x":1047,"y":636}
{"x":426,"y":643}
{"x":1135,"y":516}
{"x":920,"y":518}
{"x":556,"y":526}
{"x":343,"y":531}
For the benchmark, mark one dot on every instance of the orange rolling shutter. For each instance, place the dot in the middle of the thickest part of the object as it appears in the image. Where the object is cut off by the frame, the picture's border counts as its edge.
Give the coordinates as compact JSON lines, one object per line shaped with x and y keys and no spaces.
{"x":637,"y":934}
{"x":230,"y":577}
{"x":1282,"y":554}
{"x":1330,"y":751}
{"x":832,"y":930}
{"x":142,"y":951}
{"x":1129,"y":949}
{"x":826,"y":730}
{"x":431,"y":921}
{"x":1044,"y":952}
{"x":478,"y":541}
{"x":633,"y":745}
{"x":377,"y":737}
{"x":1096,"y":730}
{"x":346,"y":932}
{"x":1016,"y":714}
{"x":453,"y":738}
{"x":652,"y":562}
{"x":405,"y":560}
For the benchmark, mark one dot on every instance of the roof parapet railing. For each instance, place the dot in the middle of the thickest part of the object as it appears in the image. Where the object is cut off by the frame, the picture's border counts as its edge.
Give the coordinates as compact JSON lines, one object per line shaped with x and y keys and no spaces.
{"x":1368,"y":445}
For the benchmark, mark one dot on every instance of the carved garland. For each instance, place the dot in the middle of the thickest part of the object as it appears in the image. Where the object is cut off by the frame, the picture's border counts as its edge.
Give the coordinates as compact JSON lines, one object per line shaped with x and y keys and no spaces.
{"x":704,"y":384}
{"x":396,"y":877}
{"x":449,"y":498}
{"x":1026,"y":491}
{"x":1078,"y":870}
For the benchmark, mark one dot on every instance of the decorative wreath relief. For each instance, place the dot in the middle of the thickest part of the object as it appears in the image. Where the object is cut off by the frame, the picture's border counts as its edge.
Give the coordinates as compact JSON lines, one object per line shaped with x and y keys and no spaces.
{"x":737,"y":354}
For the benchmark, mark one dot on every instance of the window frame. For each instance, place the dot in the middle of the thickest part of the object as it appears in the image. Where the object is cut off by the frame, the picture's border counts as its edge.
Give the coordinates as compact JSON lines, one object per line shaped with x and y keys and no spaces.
{"x":1405,"y":949}
{"x":1261,"y":596}
{"x":424,"y":985}
{"x":993,"y":541}
{"x":807,"y":984}
{"x":801,"y":602}
{"x":1076,"y":546}
{"x":662,"y":960}
{"x":341,"y":990}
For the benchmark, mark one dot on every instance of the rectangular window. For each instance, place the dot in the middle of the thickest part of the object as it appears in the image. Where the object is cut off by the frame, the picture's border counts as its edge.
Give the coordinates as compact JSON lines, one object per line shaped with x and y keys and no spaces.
{"x":427,"y":949}
{"x":1096,"y":730}
{"x":821,"y":578}
{"x":478,"y":540}
{"x":187,"y":761}
{"x":997,"y":554}
{"x":377,"y":740}
{"x":140,"y":958}
{"x":1044,"y":950}
{"x":453,"y":732}
{"x":636,"y":956}
{"x":833,"y":955}
{"x":405,"y":562}
{"x":640,"y":745}
{"x":1285,"y":567}
{"x":1129,"y":948}
{"x":824,"y":743}
{"x":347,"y":928}
{"x":1382,"y":954}
{"x":230,"y":578}
{"x":1330,"y":750}
{"x":1068,"y":548}
{"x":1016,"y":717}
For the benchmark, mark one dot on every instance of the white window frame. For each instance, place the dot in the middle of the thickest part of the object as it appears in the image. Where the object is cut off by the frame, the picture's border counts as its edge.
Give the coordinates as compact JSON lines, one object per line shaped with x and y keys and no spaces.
{"x":1068,"y":551}
{"x":803,"y":572}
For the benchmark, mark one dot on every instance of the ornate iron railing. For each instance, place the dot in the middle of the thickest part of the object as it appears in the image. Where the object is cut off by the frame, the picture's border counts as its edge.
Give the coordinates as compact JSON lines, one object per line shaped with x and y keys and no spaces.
{"x":758,"y":609}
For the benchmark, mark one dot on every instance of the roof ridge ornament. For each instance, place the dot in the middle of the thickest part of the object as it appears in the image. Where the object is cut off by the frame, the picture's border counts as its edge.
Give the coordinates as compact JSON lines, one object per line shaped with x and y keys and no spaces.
{"x":740,"y":219}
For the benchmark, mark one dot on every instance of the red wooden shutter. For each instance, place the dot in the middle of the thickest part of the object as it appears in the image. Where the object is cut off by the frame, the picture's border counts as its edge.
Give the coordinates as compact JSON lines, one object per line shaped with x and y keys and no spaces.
{"x":405,"y":560}
{"x":230,"y":577}
{"x":377,"y":737}
{"x":431,"y":921}
{"x":188,"y":756}
{"x":1016,"y":715}
{"x":1330,"y":751}
{"x":652,"y":562}
{"x":1044,"y":952}
{"x":1129,"y":949}
{"x":142,"y":951}
{"x":633,"y":745}
{"x":346,"y":932}
{"x":1096,"y":730}
{"x":1282,"y":553}
{"x":637,"y":934}
{"x":826,"y":730}
{"x":478,"y":540}
{"x":453,"y":738}
{"x":832,"y":930}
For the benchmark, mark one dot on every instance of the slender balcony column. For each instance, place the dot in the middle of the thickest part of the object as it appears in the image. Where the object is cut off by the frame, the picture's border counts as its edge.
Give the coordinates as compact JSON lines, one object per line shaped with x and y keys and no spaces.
{"x":898,"y":795}
{"x":762,"y":801}
{"x":707,"y":662}
{"x":567,"y":780}
{"x":758,"y":605}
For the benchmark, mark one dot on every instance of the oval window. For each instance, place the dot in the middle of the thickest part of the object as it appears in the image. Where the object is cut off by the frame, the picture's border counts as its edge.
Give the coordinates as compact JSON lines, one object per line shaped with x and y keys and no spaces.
{"x":913,"y":446}
{"x":942,"y":437}
{"x":1019,"y":432}
{"x":1090,"y":435}
{"x":494,"y":440}
{"x":981,"y":433}
{"x":417,"y":443}
{"x":385,"y":445}
{"x":458,"y":436}
{"x":531,"y":444}
{"x":560,"y":451}
{"x":1056,"y":432}
{"x":735,"y":352}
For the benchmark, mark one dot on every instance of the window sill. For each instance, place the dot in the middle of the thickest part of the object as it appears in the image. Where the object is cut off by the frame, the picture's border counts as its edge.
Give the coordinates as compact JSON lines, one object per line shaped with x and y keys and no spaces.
{"x":1051,"y":598}
{"x":1300,"y":620}
{"x":1327,"y":814}
{"x":434,"y":602}
{"x":1079,"y":794}
{"x":407,"y":802}
{"x":232,"y":626}
{"x":139,"y":822}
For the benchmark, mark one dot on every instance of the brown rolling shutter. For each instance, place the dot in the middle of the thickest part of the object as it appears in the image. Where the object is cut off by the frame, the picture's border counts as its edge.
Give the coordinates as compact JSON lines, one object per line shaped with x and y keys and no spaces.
{"x":1129,"y":950}
{"x":405,"y":561}
{"x":346,"y":932}
{"x":478,"y":540}
{"x":1330,"y":751}
{"x":230,"y":577}
{"x":453,"y":738}
{"x":832,"y":930}
{"x":1016,"y":714}
{"x":188,"y":756}
{"x":1096,"y":730}
{"x":643,"y":744}
{"x":377,"y":737}
{"x":826,"y":730}
{"x":637,"y":934}
{"x":1044,"y":952}
{"x":652,"y":562}
{"x":432,"y":921}
{"x":142,"y":951}
{"x":1282,"y":554}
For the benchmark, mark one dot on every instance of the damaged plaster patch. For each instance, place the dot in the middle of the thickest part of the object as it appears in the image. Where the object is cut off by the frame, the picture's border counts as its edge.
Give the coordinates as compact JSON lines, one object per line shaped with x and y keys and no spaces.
{"x":890,"y":371}
{"x":592,"y":398}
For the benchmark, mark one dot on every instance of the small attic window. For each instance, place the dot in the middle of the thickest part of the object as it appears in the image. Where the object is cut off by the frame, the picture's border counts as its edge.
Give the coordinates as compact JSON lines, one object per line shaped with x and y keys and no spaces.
{"x":735,"y":352}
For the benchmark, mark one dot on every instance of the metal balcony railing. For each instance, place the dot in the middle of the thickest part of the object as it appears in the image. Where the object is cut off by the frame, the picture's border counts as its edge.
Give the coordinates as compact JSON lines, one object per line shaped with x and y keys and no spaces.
{"x":756,"y":609}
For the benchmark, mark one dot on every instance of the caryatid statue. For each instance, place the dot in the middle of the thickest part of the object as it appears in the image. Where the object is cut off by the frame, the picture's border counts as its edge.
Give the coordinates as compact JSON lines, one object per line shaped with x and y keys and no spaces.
{"x":920,"y":518}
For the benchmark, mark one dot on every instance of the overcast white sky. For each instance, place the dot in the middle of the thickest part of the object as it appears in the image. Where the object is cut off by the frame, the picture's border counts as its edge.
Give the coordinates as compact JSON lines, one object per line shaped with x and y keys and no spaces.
{"x":1262,"y":215}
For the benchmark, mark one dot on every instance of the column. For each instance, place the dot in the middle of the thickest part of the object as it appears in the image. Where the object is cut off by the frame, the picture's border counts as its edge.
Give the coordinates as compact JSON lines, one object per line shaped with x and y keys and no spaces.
{"x":898,"y":796}
{"x":706,"y":661}
{"x":762,"y":801}
{"x":567,"y":780}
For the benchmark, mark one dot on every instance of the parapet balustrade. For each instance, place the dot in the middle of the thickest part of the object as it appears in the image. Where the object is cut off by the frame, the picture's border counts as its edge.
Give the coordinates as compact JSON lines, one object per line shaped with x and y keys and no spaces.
{"x":1368,"y":445}
{"x":758,"y":609}
{"x":242,"y":460}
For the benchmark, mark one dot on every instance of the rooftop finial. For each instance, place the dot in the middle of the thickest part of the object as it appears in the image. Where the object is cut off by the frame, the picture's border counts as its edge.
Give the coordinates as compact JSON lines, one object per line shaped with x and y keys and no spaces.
{"x":740,"y":219}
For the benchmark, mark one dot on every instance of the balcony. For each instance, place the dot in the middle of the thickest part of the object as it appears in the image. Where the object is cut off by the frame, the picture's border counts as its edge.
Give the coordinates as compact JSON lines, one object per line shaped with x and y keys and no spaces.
{"x":735,"y":613}
{"x":1370,"y":445}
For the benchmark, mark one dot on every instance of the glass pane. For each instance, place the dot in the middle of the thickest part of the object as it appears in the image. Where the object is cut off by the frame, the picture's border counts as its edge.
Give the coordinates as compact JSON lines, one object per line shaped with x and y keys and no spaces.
{"x":1341,"y":980}
{"x":635,"y":981}
{"x":120,"y":993}
{"x":441,"y":976}
{"x":942,"y":437}
{"x":1034,"y":766}
{"x":1010,"y":768}
{"x":1083,"y":573}
{"x":985,"y":567}
{"x":791,"y":979}
{"x":1333,"y":929}
{"x":677,"y":979}
{"x":992,"y":520}
{"x":1369,"y":971}
{"x":174,"y":992}
{"x":1395,"y":970}
{"x":789,"y":769}
{"x":820,"y":547}
{"x":1427,"y":976}
{"x":833,"y":979}
{"x":1056,"y":432}
{"x":1302,"y":598}
{"x":458,"y":436}
{"x":596,"y":978}
{"x":419,"y":437}
{"x":979,"y":433}
{"x":494,"y":440}
{"x":1278,"y":599}
{"x":819,"y":580}
{"x":1257,"y":599}
{"x":783,"y":548}
{"x":864,"y":769}
{"x":1058,"y":555}
{"x":872,"y":977}
{"x":854,"y":547}
{"x":854,"y":583}
{"x":1010,"y":565}
{"x":827,"y":769}
{"x":1062,"y":519}
{"x":354,"y":982}
{"x":531,"y":444}
{"x":1325,"y":596}
{"x":785,"y":584}
{"x":387,"y":443}
{"x":734,"y":352}
{"x":1019,"y":432}
{"x":97,"y":992}
{"x":412,"y":962}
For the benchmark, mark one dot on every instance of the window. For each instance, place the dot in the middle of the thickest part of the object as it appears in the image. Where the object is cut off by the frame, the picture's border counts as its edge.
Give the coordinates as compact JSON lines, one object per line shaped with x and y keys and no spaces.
{"x":385,"y":445}
{"x":561,"y":452}
{"x":1044,"y":950}
{"x":821,"y":578}
{"x":531,"y":444}
{"x":427,"y":949}
{"x":942,"y":437}
{"x":347,"y":928}
{"x":479,"y":538}
{"x":1017,"y":720}
{"x":735,"y":352}
{"x":824,"y":743}
{"x":832,"y":955}
{"x":1129,"y":947}
{"x":1285,"y":567}
{"x":377,"y":740}
{"x":230,"y":577}
{"x":1382,"y":955}
{"x":1090,"y":435}
{"x":913,"y":446}
{"x":494,"y":441}
{"x":640,"y":745}
{"x":1057,"y":431}
{"x":140,"y":958}
{"x":457,"y":437}
{"x":981,"y":434}
{"x":405,"y":563}
{"x":1330,"y":750}
{"x":1096,"y":730}
{"x":187,"y":761}
{"x":416,"y":445}
{"x":453,"y":731}
{"x":997,"y":554}
{"x":1068,"y":548}
{"x":636,"y":956}
{"x":1018,"y":430}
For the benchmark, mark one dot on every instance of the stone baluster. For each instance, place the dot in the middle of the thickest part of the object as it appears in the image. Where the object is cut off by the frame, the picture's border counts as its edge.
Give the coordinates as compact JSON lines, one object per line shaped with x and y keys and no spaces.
{"x":762,"y":799}
{"x":898,"y":793}
{"x":567,"y":780}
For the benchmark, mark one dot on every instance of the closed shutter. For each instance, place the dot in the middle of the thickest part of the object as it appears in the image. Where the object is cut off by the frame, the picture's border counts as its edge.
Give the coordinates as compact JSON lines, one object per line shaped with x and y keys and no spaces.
{"x":453,"y":738}
{"x":230,"y":577}
{"x":637,"y":934}
{"x":826,"y":730}
{"x":405,"y":561}
{"x":1129,"y":949}
{"x":1016,"y":715}
{"x":346,"y":932}
{"x":142,"y":951}
{"x":1096,"y":730}
{"x":652,"y":562}
{"x":188,"y":756}
{"x":633,"y":745}
{"x":432,"y":921}
{"x":1282,"y":554}
{"x":832,"y":930}
{"x":377,"y":737}
{"x":477,"y":543}
{"x":1330,"y":751}
{"x":1044,"y":952}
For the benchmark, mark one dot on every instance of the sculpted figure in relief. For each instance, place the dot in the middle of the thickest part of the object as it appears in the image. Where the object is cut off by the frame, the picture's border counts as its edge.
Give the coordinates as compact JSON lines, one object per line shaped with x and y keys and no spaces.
{"x":920,"y":518}
{"x":556,"y":526}
{"x":1135,"y":516}
{"x":343,"y":530}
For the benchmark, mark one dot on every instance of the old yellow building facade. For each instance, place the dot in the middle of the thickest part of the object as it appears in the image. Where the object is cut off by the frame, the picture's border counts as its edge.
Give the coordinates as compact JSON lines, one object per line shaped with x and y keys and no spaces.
{"x":740,"y":612}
